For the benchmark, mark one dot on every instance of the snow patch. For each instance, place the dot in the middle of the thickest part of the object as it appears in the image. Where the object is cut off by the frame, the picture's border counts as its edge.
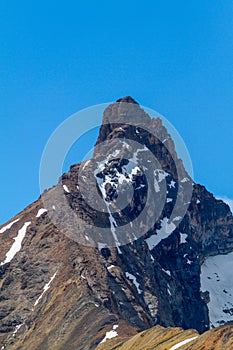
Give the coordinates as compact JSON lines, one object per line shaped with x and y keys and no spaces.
{"x":111,"y":334}
{"x":125,"y":144}
{"x":17,"y":328}
{"x":101,"y":246}
{"x":86,"y":163}
{"x":183,"y":237}
{"x":115,"y":153}
{"x":217,"y":279}
{"x":66,"y":189}
{"x":165,"y":231}
{"x":134,"y":280}
{"x":172,"y":184}
{"x":113,"y":225}
{"x":16,"y":246}
{"x":112,"y":221}
{"x":160,"y":174}
{"x":177,"y":218}
{"x":134,"y":159}
{"x":7,"y":227}
{"x":140,"y":186}
{"x":185,"y":179}
{"x":46,"y":287}
{"x":156,"y":186}
{"x":174,"y":347}
{"x":168,"y":272}
{"x":40,"y":212}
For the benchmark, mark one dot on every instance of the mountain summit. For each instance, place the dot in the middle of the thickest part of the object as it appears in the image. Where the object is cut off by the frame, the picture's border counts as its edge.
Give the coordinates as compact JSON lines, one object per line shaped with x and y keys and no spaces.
{"x":127,"y":99}
{"x":124,"y":242}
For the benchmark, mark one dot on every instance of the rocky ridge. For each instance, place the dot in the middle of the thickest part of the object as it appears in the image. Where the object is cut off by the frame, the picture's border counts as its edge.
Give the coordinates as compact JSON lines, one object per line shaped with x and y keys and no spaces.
{"x":159,"y":338}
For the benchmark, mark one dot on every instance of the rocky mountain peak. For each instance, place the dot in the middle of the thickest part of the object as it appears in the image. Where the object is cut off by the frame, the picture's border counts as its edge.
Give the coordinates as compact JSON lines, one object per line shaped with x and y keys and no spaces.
{"x":127,"y":99}
{"x":123,"y":242}
{"x":126,"y":121}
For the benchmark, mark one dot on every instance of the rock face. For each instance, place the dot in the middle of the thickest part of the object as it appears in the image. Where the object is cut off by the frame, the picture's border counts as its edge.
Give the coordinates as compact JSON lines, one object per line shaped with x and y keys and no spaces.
{"x":65,"y":282}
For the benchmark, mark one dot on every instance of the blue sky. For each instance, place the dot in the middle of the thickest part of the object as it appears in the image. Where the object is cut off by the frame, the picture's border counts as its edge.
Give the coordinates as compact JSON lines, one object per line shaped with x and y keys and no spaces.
{"x":59,"y":57}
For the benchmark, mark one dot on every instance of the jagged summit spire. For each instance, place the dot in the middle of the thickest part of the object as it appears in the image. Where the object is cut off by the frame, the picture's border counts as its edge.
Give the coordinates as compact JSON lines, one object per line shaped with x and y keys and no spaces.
{"x":127,"y":99}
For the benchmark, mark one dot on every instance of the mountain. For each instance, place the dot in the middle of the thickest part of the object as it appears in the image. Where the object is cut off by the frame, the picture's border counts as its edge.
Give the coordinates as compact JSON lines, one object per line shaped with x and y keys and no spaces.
{"x":124,"y":242}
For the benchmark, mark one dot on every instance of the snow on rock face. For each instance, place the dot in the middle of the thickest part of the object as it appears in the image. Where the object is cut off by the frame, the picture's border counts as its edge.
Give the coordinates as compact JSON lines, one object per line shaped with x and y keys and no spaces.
{"x":172,"y":184}
{"x":16,"y":246}
{"x":17,"y":328}
{"x":133,"y":278}
{"x":217,"y":279}
{"x":177,"y":218}
{"x":109,"y":176}
{"x":113,"y":228}
{"x":128,"y":171}
{"x":183,"y":237}
{"x":115,"y":179}
{"x":40,"y":212}
{"x":111,"y":334}
{"x":160,"y":175}
{"x":165,"y":231}
{"x":101,"y":246}
{"x":177,"y":346}
{"x":66,"y":189}
{"x":168,"y":272}
{"x":86,"y":163}
{"x":185,"y":179}
{"x":46,"y":287}
{"x":135,"y":159}
{"x":7,"y":227}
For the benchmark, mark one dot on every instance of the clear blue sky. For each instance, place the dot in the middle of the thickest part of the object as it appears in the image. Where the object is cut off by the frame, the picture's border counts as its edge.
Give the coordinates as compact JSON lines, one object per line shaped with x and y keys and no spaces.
{"x":57,"y":57}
